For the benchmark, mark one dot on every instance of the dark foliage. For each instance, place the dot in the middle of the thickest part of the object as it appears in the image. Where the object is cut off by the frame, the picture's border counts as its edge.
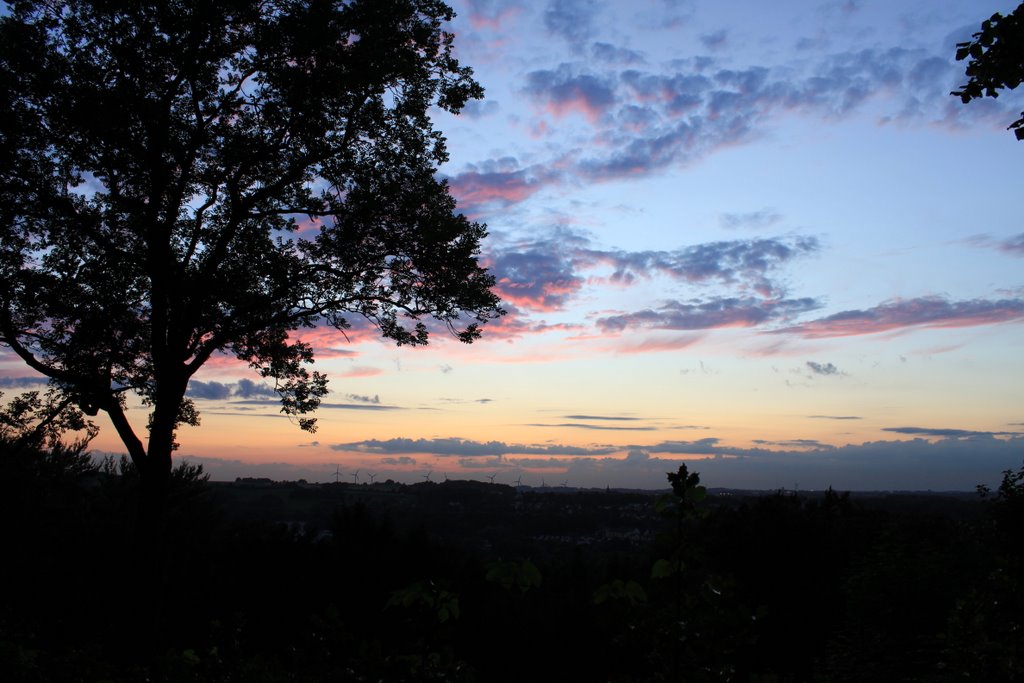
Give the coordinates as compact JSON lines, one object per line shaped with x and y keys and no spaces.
{"x":996,"y":60}
{"x":474,"y":582}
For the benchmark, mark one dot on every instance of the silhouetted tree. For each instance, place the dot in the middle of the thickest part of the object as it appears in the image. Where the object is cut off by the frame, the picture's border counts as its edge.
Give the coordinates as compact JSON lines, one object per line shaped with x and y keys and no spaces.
{"x":996,"y":60}
{"x":181,"y":178}
{"x":42,"y":422}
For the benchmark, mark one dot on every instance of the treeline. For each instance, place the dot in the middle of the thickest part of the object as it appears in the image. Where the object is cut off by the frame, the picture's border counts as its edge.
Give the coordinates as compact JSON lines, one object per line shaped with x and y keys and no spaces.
{"x":769,"y":588}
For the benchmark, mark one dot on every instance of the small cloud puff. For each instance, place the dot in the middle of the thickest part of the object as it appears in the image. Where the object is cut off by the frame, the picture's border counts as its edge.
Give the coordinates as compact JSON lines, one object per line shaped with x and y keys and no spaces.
{"x":825,"y":369}
{"x":755,"y":220}
{"x":716,"y":40}
{"x":375,"y":399}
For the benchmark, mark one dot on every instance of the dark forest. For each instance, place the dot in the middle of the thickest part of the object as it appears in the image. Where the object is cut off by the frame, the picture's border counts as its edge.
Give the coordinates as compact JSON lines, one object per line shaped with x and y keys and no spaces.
{"x":469,"y":581}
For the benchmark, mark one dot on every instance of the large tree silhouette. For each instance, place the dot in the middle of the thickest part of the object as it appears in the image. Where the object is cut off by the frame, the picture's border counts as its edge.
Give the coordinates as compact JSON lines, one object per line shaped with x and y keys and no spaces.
{"x":180,"y":178}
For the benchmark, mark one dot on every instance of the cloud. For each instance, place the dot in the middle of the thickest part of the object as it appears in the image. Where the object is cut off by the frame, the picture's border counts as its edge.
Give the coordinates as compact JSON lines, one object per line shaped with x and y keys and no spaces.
{"x":546,"y":274}
{"x":464,"y":448}
{"x":1013,"y":245}
{"x":329,"y":342}
{"x":492,"y":14}
{"x":357,"y":406}
{"x":517,"y":323}
{"x":823,"y":368}
{"x":478,"y":109}
{"x":474,"y":187}
{"x":610,"y":428}
{"x":218,"y":391}
{"x":401,"y":461}
{"x":481,"y":401}
{"x":23,"y":382}
{"x":757,"y":220}
{"x":497,"y":182}
{"x":643,"y":120}
{"x":835,"y":417}
{"x":900,"y":314}
{"x":609,"y":418}
{"x":213,"y":391}
{"x":712,"y":313}
{"x":538,"y":277}
{"x":375,"y":399}
{"x":563,"y":91}
{"x":656,"y":345}
{"x":793,"y":443}
{"x":570,"y":19}
{"x":246,"y":388}
{"x":945,"y":433}
{"x":360,"y":371}
{"x":916,"y":465}
{"x":716,"y":40}
{"x":612,"y":54}
{"x":699,"y":447}
{"x":322,"y":406}
{"x":747,"y":263}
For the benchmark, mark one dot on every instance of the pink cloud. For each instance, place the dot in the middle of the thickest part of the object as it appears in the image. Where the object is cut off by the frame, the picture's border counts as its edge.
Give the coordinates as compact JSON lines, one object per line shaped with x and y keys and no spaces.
{"x":492,"y":18}
{"x":900,"y":314}
{"x":654,"y":345}
{"x":515,"y":325}
{"x":535,"y":276}
{"x":473,"y":188}
{"x":329,"y":342}
{"x":361,"y":371}
{"x":545,"y":297}
{"x":307,"y":227}
{"x":1013,"y":245}
{"x":561,"y":92}
{"x":576,"y":103}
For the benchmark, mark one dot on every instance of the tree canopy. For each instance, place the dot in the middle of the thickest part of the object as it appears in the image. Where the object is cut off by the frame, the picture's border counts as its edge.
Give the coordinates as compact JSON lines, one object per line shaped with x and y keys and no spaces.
{"x":181,"y":178}
{"x":996,"y":60}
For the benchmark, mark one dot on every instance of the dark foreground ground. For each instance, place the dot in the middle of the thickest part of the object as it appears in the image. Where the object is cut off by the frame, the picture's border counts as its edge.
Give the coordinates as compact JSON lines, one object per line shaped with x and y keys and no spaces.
{"x":463,"y":581}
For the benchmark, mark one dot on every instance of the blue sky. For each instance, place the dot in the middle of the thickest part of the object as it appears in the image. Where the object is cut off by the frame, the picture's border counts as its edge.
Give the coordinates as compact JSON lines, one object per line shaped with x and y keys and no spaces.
{"x":760,"y":236}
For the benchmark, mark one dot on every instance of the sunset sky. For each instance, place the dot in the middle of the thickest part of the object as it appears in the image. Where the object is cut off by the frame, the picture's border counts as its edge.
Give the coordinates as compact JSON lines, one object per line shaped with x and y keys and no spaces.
{"x":758,"y":235}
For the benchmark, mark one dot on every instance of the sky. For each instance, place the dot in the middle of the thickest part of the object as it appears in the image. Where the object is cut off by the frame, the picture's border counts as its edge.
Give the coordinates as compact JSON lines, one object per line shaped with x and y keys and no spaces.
{"x":760,"y":238}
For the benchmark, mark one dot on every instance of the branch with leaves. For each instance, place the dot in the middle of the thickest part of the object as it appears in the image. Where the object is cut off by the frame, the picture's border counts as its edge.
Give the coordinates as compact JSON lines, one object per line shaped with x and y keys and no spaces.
{"x":995,"y":60}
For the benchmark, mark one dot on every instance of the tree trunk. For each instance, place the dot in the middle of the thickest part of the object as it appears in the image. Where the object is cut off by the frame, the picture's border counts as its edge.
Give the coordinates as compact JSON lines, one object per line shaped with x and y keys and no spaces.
{"x":154,"y":482}
{"x":151,"y":534}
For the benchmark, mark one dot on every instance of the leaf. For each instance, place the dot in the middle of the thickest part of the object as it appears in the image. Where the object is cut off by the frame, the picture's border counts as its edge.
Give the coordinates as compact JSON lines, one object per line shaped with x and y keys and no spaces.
{"x":635,"y":592}
{"x":531,"y":577}
{"x":662,"y":569}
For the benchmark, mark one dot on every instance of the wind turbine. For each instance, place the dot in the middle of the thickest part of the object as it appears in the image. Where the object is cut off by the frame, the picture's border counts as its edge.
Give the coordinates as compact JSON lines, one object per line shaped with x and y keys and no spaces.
{"x":372,"y":476}
{"x":427,"y":475}
{"x":337,"y":473}
{"x":355,"y":477}
{"x":543,"y":484}
{"x":492,"y":476}
{"x":519,"y":481}
{"x":446,"y":476}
